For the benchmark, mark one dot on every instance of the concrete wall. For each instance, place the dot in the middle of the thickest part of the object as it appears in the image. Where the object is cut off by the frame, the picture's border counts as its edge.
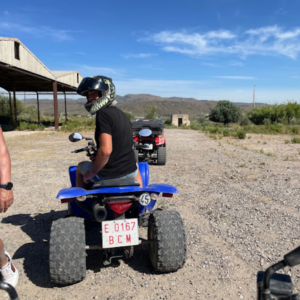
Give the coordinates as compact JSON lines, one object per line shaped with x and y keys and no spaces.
{"x":185,"y":119}
{"x":70,"y":79}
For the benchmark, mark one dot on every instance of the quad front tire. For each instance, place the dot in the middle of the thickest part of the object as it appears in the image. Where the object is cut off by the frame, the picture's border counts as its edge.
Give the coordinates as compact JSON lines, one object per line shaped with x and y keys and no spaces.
{"x":168,"y":250}
{"x":161,"y":156}
{"x":67,"y":256}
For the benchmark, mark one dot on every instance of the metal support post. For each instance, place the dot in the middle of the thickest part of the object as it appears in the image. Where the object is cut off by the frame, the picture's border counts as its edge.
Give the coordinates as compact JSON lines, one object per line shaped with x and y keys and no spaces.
{"x":55,"y":104}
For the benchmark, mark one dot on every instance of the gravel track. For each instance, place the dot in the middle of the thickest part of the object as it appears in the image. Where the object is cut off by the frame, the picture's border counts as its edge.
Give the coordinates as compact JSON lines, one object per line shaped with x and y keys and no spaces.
{"x":239,"y":200}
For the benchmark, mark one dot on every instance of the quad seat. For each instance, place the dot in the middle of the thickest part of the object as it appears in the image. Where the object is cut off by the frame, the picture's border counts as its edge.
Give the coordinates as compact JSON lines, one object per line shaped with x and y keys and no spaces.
{"x":117,"y":182}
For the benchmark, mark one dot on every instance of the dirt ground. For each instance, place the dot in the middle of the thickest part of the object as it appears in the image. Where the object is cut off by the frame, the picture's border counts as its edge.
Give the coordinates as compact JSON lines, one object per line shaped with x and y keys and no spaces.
{"x":239,"y":200}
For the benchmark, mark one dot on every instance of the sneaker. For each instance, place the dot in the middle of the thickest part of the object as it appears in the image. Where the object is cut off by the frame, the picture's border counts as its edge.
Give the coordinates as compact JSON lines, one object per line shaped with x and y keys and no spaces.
{"x":9,"y":273}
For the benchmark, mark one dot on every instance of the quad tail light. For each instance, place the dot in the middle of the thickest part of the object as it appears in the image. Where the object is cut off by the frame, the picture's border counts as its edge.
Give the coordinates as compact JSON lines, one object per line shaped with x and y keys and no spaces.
{"x":167,"y":195}
{"x":66,"y":200}
{"x":120,"y":207}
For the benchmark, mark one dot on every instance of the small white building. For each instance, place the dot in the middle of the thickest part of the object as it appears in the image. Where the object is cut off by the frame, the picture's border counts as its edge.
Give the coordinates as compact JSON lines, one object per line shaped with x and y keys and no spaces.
{"x":180,"y":119}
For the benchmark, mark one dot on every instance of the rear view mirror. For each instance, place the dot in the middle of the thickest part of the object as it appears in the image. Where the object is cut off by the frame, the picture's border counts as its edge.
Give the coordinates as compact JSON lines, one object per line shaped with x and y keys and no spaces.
{"x":292,"y":259}
{"x":145,"y":132}
{"x":75,"y":137}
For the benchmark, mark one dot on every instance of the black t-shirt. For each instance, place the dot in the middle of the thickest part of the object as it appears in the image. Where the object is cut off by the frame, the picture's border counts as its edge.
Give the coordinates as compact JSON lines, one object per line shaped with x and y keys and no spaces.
{"x":113,"y":121}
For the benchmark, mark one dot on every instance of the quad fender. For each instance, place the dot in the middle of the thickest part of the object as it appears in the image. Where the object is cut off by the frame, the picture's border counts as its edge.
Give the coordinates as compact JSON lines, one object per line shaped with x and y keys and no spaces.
{"x":152,"y":188}
{"x":144,"y":170}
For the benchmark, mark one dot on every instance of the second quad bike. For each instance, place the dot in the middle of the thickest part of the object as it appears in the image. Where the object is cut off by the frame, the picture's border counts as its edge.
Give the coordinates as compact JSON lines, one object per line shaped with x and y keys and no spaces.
{"x":149,"y":141}
{"x":119,"y":207}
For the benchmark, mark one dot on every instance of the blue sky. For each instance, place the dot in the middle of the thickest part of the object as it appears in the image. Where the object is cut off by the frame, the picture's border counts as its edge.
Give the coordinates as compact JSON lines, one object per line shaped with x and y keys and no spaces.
{"x":209,"y":50}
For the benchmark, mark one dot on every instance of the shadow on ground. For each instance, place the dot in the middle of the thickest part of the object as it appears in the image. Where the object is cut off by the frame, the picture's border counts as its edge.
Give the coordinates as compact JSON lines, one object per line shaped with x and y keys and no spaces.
{"x":36,"y":254}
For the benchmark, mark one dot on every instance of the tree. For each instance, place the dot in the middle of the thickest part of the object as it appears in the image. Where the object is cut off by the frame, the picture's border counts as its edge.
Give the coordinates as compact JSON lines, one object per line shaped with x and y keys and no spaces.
{"x":150,"y":112}
{"x":225,"y":112}
{"x":5,"y":114}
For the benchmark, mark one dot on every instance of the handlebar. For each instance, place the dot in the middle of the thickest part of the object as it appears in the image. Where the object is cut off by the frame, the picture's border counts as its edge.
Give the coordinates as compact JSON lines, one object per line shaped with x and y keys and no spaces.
{"x":79,"y":150}
{"x":90,"y":149}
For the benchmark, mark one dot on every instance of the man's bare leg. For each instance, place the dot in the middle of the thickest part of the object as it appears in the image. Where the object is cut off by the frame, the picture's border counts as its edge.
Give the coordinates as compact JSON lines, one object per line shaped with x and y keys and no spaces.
{"x":139,"y":178}
{"x":79,"y":179}
{"x":3,"y":257}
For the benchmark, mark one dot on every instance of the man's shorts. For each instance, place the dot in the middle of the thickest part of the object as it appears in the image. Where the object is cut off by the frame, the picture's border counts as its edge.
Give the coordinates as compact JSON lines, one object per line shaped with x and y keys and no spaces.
{"x":86,"y":166}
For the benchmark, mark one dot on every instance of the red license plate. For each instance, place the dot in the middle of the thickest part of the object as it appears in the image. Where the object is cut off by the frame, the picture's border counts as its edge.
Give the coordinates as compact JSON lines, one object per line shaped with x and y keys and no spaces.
{"x":120,"y":233}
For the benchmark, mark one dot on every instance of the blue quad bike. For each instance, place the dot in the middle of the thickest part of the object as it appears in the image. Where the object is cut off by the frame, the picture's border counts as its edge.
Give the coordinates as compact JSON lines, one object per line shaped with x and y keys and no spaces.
{"x":121,"y":207}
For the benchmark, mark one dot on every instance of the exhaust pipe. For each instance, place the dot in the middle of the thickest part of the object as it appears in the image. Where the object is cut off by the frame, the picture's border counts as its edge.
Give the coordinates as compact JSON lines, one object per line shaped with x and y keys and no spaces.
{"x":99,"y":212}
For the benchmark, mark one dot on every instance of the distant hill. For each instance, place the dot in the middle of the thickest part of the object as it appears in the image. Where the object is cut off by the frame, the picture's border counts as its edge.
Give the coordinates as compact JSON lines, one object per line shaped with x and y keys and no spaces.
{"x":136,"y":104}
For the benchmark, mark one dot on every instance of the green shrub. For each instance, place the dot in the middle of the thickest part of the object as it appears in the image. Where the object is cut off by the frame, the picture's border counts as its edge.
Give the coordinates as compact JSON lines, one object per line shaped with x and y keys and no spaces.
{"x":241,"y":134}
{"x":295,"y":130}
{"x":244,"y":121}
{"x":195,"y":126}
{"x":226,"y":132}
{"x":267,"y":122}
{"x":295,"y":140}
{"x":23,"y":126}
{"x":287,"y":141}
{"x":212,"y":129}
{"x":33,"y":127}
{"x":41,"y":127}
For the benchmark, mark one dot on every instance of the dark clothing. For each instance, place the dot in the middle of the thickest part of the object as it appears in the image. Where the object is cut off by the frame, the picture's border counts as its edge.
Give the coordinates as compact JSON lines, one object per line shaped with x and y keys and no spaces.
{"x":114,"y":122}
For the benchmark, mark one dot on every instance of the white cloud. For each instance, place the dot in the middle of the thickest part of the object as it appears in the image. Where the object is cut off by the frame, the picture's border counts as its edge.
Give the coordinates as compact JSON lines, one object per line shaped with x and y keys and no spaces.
{"x":41,"y":32}
{"x":140,"y":55}
{"x":236,"y":77}
{"x":221,"y":34}
{"x":269,"y":40}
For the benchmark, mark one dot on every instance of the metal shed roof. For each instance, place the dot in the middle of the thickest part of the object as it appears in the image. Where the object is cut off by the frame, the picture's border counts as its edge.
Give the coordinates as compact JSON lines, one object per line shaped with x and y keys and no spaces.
{"x":22,"y":71}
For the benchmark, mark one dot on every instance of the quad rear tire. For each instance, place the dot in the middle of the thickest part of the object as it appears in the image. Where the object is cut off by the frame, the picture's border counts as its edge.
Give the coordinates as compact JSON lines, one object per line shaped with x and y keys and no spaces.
{"x":168,"y":251}
{"x":161,"y":156}
{"x":67,"y":256}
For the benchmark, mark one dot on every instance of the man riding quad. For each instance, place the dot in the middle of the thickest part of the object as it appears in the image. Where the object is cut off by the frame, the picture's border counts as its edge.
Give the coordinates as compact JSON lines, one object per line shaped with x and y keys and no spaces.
{"x":115,"y":156}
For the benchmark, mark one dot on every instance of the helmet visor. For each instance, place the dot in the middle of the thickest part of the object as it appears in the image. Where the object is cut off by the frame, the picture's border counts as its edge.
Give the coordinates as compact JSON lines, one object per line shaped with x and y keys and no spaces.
{"x":90,"y":84}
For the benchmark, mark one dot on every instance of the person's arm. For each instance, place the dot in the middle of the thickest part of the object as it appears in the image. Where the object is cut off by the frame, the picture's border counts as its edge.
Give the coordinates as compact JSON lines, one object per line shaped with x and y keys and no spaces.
{"x":6,"y":196}
{"x":103,"y":154}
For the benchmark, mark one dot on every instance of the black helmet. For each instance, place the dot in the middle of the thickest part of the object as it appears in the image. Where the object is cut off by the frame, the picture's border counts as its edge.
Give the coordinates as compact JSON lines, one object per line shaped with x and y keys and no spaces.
{"x":101,"y":84}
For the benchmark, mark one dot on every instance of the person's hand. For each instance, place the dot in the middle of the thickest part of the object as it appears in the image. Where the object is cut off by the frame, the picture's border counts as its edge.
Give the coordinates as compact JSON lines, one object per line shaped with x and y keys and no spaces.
{"x":92,"y":157}
{"x":87,"y":177}
{"x":6,"y":199}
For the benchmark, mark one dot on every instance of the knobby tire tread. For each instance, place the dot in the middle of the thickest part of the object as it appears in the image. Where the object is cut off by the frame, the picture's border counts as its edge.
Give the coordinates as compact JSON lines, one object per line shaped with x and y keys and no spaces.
{"x":161,"y":156}
{"x":67,"y":256}
{"x":170,"y":240}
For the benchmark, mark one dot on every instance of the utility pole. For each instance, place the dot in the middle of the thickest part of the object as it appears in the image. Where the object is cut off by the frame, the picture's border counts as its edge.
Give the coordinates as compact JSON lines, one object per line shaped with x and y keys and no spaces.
{"x":254,"y":98}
